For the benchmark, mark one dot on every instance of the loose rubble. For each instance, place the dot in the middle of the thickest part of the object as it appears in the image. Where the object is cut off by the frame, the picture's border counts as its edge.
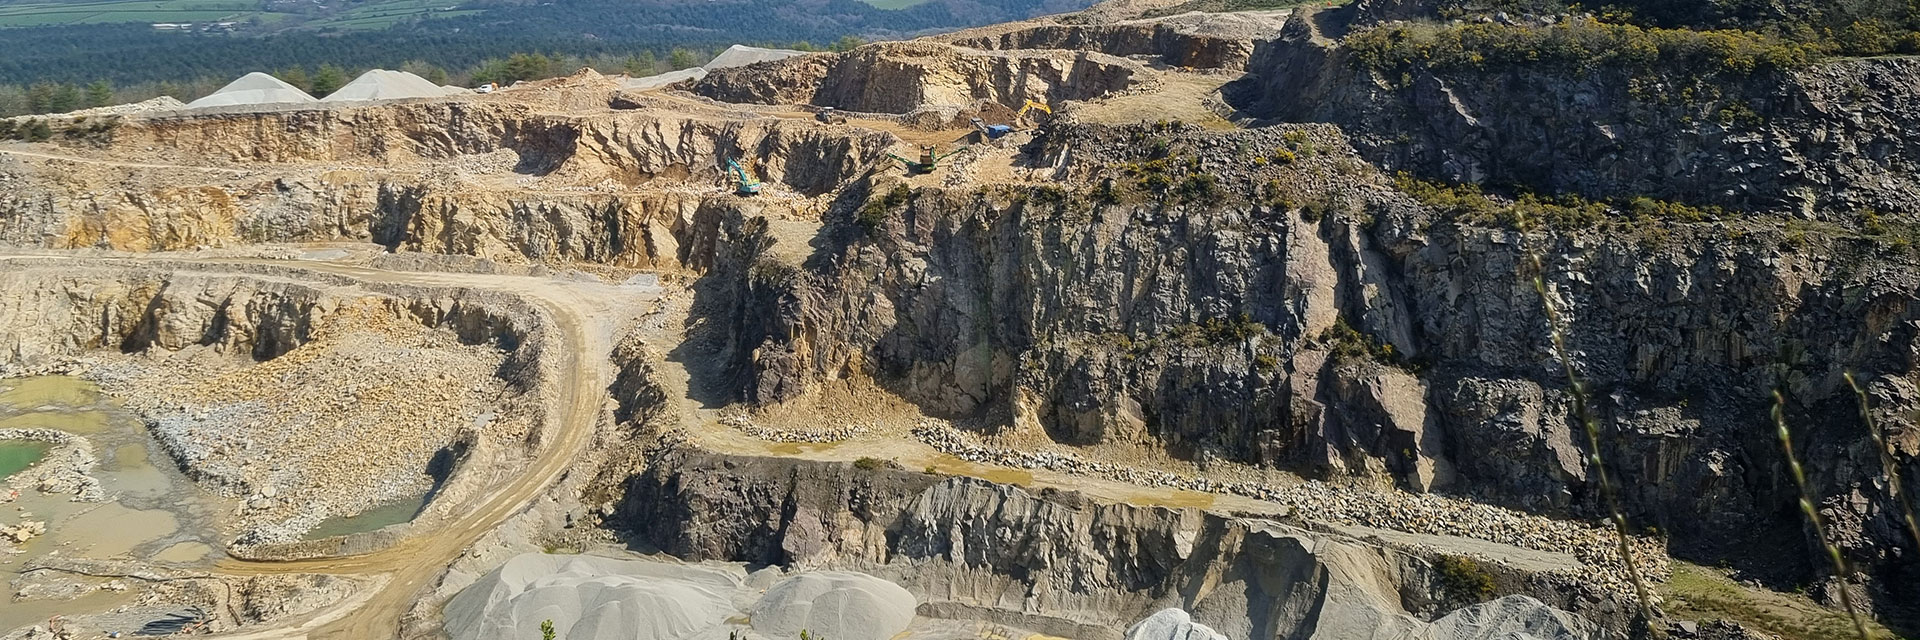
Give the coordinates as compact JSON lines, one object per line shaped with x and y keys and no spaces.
{"x":773,"y":434}
{"x":1414,"y":513}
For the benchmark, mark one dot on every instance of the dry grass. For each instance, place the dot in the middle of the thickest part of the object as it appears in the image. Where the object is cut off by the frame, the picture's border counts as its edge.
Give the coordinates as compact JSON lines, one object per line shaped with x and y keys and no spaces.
{"x":1701,"y":593}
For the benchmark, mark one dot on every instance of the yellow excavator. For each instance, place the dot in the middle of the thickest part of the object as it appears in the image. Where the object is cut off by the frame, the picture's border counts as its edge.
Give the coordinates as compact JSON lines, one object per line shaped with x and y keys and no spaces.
{"x":1030,"y":106}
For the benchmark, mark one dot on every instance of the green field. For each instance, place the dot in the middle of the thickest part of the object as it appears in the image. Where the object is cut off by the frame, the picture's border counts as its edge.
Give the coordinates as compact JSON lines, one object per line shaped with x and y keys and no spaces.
{"x":369,"y":16}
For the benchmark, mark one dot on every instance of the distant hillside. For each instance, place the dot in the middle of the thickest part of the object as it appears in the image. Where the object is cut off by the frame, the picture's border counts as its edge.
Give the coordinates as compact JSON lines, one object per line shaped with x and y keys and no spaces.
{"x":223,"y":41}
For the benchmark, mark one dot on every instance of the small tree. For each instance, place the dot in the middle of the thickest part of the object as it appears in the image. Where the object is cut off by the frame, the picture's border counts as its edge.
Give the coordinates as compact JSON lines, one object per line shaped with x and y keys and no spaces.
{"x":295,"y":76}
{"x":848,"y":43}
{"x":99,"y":94}
{"x":682,"y":59}
{"x":327,"y":80}
{"x":546,"y":630}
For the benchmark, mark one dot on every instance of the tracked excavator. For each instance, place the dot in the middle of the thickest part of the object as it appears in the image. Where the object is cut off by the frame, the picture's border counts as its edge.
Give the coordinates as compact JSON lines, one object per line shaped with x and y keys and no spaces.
{"x":744,"y":183}
{"x":929,"y":160}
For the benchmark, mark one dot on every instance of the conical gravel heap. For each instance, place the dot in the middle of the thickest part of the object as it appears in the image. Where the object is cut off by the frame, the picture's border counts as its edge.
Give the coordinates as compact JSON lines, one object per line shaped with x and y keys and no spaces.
{"x":382,"y":84}
{"x":253,"y":88}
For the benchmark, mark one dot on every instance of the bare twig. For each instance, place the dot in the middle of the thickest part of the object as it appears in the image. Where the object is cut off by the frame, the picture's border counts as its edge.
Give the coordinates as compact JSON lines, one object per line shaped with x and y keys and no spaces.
{"x":1813,"y":515}
{"x":1592,"y":426}
{"x":1896,"y":490}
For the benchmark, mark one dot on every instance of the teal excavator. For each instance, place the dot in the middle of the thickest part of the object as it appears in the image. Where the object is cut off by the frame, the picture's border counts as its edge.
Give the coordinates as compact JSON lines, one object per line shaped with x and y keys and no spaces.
{"x":744,"y":183}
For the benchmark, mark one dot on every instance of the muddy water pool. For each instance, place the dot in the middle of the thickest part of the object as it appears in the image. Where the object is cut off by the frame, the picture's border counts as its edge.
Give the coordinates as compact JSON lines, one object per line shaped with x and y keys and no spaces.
{"x":153,"y":512}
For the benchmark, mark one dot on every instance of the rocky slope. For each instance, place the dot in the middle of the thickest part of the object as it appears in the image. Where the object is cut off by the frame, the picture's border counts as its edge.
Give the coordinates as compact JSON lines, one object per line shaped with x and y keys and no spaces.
{"x":1061,"y":564}
{"x":1356,"y":331}
{"x":1821,"y":142}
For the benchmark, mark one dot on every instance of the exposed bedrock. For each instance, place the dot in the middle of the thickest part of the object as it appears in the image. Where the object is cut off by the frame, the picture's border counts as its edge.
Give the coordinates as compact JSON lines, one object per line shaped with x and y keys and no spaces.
{"x":661,"y":230}
{"x":55,"y":309}
{"x":1825,"y":141}
{"x":899,"y":77}
{"x":1221,"y":331}
{"x":1204,"y":42}
{"x":1060,"y":563}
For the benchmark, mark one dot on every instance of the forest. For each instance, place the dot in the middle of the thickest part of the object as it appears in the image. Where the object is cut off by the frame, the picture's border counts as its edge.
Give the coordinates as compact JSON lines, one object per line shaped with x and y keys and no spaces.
{"x":126,"y":54}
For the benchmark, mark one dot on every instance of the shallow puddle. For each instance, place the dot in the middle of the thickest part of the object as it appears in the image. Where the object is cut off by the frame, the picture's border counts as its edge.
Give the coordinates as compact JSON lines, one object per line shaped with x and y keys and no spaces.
{"x":951,"y":465}
{"x":797,"y":448}
{"x":154,"y":508}
{"x":83,"y":421}
{"x":374,"y":519}
{"x":45,"y":391}
{"x":185,"y":552}
{"x":17,"y":455}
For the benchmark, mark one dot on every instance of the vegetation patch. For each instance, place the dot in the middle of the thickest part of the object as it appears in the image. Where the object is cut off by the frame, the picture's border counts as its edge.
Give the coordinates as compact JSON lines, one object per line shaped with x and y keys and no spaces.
{"x":1584,"y":43}
{"x":1464,"y":577}
{"x":1470,"y":204}
{"x":877,"y":210}
{"x":1700,"y":593}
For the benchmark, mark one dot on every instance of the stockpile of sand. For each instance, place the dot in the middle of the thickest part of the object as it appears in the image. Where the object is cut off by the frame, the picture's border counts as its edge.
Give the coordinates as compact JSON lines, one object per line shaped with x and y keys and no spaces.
{"x":253,"y":88}
{"x":593,"y":598}
{"x":664,"y":79}
{"x":741,"y":55}
{"x":382,"y":84}
{"x":834,"y":604}
{"x":596,"y":598}
{"x":1171,"y":624}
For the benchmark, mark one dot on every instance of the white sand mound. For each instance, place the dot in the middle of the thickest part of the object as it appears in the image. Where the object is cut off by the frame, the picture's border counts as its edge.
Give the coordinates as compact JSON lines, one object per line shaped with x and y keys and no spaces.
{"x":1171,"y":624}
{"x":741,"y":55}
{"x":382,"y":84}
{"x":1514,"y":618}
{"x":664,"y":79}
{"x":253,"y":88}
{"x":591,"y":598}
{"x":835,"y":605}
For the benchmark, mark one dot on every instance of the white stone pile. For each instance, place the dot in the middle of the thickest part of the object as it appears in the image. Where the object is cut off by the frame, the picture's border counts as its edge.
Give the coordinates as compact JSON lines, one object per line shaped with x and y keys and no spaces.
{"x":1399,"y":511}
{"x":774,"y":434}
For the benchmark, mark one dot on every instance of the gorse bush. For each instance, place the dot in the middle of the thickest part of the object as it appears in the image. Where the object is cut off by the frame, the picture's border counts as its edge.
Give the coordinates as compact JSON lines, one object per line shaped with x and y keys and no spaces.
{"x":1468,"y":203}
{"x":1583,"y":43}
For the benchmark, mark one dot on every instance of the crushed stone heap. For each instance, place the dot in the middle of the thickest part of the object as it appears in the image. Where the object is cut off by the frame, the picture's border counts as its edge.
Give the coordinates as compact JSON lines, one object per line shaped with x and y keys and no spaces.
{"x":383,"y":84}
{"x":253,"y":89}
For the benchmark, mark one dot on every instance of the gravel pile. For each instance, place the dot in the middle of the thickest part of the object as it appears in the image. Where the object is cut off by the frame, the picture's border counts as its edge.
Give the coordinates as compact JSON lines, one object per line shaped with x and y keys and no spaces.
{"x":596,"y":598}
{"x":162,"y":103}
{"x":253,"y":89}
{"x":383,"y":84}
{"x":771,"y":434}
{"x":348,"y":421}
{"x":1409,"y":512}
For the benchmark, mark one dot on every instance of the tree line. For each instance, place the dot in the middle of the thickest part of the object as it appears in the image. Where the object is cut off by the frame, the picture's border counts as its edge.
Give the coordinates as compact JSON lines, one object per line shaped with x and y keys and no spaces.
{"x":319,"y":80}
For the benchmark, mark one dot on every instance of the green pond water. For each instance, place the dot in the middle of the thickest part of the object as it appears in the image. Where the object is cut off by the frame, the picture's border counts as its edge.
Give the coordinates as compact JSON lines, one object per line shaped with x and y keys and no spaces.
{"x":379,"y":517}
{"x":17,"y":455}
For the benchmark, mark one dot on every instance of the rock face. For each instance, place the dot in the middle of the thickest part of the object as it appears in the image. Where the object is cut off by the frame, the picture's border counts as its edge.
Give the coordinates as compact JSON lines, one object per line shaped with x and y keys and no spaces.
{"x":1201,"y":41}
{"x":1055,"y":563}
{"x":424,"y":193}
{"x":899,"y":77}
{"x":1826,"y":141}
{"x":1216,"y":330}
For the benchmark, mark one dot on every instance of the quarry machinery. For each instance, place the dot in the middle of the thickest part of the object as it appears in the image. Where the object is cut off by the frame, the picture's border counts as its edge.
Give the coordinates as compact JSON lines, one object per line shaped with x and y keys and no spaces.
{"x":744,"y":183}
{"x":1029,"y":107}
{"x":929,"y":160}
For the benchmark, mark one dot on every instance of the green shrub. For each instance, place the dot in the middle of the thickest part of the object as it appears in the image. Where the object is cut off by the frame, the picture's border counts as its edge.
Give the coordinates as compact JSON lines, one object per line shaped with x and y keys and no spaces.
{"x":876,"y":210}
{"x":1583,"y":43}
{"x":1464,"y":577}
{"x":870,"y":464}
